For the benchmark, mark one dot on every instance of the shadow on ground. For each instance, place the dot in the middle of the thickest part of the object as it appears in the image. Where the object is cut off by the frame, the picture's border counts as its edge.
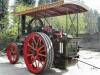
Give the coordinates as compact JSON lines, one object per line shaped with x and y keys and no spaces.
{"x":20,"y":69}
{"x":54,"y":72}
{"x":8,"y":69}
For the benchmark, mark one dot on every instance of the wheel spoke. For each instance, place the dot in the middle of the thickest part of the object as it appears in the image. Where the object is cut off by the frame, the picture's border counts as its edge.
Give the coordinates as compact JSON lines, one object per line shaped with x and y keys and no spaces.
{"x":29,"y":55}
{"x":34,"y":41}
{"x":14,"y":57}
{"x":42,"y":55}
{"x":34,"y":63}
{"x":33,"y":59}
{"x":41,"y":47}
{"x":39,"y":62}
{"x":12,"y":50}
{"x":31,"y":50}
{"x":31,"y":46}
{"x":37,"y":43}
{"x":42,"y":51}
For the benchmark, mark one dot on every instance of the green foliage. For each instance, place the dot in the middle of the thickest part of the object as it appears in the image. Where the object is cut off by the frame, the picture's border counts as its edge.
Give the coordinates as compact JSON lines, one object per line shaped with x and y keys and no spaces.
{"x":91,"y":18}
{"x":57,"y":22}
{"x":65,"y":22}
{"x":7,"y":34}
{"x":21,"y":7}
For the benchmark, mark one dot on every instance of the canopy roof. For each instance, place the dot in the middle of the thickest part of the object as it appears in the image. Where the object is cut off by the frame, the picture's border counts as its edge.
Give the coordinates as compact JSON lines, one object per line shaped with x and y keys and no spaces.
{"x":58,"y":8}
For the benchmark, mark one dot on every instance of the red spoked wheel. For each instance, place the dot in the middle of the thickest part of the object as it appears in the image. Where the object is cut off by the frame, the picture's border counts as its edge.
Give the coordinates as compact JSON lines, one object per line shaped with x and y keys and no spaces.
{"x":12,"y":53}
{"x":38,"y":52}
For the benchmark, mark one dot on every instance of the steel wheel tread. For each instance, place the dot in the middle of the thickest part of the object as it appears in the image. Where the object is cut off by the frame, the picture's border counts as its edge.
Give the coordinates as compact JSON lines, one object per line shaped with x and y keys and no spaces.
{"x":51,"y":52}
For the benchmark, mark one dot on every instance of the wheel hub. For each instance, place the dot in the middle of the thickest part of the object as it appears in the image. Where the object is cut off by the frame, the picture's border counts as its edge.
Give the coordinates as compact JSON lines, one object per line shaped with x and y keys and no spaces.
{"x":34,"y":53}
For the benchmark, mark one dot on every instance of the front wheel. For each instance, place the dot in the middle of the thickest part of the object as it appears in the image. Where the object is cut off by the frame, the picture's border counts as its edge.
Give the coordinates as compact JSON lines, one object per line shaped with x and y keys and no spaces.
{"x":12,"y":53}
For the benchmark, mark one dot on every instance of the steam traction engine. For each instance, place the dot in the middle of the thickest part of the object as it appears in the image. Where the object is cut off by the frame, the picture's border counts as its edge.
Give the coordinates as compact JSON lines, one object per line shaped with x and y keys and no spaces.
{"x":43,"y":46}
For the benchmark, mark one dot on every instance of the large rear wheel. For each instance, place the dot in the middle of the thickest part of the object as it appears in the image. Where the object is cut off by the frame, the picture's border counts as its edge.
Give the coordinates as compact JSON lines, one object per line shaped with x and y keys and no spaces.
{"x":38,"y":52}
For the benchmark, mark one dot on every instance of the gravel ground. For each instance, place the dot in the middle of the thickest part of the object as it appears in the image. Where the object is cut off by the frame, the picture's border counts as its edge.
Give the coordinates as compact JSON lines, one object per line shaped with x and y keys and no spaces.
{"x":74,"y":68}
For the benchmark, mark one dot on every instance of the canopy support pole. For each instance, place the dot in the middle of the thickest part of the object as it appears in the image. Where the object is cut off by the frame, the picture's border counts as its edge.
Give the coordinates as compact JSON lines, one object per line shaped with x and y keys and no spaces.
{"x":23,"y":19}
{"x":77,"y":33}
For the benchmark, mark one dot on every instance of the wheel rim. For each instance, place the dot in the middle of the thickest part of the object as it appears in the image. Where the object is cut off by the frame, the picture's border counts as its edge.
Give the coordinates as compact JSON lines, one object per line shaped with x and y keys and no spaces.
{"x":12,"y":53}
{"x":35,"y":53}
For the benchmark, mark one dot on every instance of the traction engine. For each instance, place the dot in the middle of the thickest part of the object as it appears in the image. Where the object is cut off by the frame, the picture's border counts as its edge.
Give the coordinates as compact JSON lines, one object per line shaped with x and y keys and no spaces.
{"x":41,"y":46}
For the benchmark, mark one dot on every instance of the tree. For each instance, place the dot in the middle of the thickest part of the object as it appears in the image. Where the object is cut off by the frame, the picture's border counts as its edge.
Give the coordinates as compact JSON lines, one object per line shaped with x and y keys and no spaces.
{"x":3,"y":10}
{"x":98,"y":23}
{"x":33,"y":1}
{"x":91,"y":21}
